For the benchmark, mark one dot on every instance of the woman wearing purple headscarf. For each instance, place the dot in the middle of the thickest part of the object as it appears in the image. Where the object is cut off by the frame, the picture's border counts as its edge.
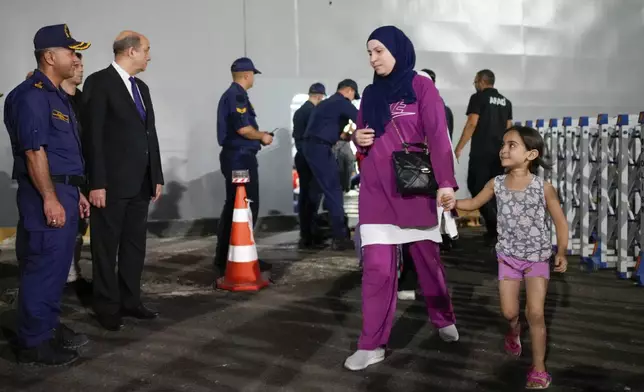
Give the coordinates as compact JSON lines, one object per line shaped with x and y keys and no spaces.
{"x":399,"y":101}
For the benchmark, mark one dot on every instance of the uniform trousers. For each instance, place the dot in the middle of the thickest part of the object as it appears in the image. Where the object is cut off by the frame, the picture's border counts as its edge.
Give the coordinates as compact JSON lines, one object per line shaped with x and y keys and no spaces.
{"x":324,"y":167}
{"x":44,"y":255}
{"x":308,"y":203}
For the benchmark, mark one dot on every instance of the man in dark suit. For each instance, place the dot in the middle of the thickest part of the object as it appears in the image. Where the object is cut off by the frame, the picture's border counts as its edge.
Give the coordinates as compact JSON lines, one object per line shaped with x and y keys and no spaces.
{"x":124,"y":171}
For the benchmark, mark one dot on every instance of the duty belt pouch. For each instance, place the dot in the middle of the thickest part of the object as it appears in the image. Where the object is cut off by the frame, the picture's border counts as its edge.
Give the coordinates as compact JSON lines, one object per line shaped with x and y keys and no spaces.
{"x":413,"y":169}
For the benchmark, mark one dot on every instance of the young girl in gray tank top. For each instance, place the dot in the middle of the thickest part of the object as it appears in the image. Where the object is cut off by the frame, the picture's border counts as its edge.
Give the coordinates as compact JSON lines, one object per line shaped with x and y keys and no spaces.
{"x":524,"y":248}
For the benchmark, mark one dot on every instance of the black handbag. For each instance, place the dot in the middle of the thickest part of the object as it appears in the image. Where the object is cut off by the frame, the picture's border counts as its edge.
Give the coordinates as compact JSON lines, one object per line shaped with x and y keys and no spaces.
{"x":413,"y":169}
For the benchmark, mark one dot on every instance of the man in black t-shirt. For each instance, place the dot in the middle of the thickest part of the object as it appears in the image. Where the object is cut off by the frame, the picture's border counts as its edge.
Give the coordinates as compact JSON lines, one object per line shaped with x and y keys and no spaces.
{"x":489,"y":114}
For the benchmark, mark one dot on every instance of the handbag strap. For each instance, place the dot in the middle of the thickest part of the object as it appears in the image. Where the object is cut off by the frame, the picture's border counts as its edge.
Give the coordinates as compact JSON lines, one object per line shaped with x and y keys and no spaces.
{"x":407,"y":145}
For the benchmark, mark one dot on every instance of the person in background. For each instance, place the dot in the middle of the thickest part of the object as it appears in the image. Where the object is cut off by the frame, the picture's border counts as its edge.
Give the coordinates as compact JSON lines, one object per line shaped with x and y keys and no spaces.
{"x":399,"y":106}
{"x":70,"y":86}
{"x":345,"y":158}
{"x":408,"y":279}
{"x":355,"y":180}
{"x":49,"y":168}
{"x":240,"y":139}
{"x":323,"y":131}
{"x":489,"y":114}
{"x":448,"y":112}
{"x":307,"y":203}
{"x":447,"y":243}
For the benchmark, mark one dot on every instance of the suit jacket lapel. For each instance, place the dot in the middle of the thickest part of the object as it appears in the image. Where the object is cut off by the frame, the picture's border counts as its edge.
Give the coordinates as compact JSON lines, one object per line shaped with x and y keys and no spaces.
{"x":123,"y":91}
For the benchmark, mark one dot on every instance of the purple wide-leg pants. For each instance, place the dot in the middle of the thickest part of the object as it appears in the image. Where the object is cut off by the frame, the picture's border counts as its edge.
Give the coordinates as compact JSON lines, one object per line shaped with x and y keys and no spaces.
{"x":379,"y":290}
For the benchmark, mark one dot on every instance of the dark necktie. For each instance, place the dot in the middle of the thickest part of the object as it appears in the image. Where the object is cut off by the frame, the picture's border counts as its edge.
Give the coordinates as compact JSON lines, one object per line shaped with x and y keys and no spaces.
{"x":137,"y":98}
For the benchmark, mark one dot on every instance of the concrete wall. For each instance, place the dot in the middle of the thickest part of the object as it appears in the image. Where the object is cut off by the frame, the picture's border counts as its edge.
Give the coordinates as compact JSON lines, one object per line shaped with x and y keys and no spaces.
{"x":551,"y":58}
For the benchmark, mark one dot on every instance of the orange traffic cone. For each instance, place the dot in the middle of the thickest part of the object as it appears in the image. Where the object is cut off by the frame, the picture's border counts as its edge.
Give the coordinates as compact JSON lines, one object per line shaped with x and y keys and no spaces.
{"x":242,"y":268}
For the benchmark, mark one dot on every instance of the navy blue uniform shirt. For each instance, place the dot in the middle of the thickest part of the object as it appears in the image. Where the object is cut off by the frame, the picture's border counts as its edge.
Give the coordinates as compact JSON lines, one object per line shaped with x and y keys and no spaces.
{"x":36,"y":115}
{"x":301,"y":120}
{"x":329,"y":118}
{"x":233,"y":113}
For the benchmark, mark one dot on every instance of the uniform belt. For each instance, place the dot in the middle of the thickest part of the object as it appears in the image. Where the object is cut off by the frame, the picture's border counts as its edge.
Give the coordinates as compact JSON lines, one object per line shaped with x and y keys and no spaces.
{"x":240,"y":149}
{"x":69,"y":180}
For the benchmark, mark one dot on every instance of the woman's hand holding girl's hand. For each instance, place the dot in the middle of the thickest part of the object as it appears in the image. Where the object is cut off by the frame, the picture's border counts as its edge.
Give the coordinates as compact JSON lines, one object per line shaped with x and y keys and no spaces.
{"x":365,"y":137}
{"x":446,"y":198}
{"x":447,"y":203}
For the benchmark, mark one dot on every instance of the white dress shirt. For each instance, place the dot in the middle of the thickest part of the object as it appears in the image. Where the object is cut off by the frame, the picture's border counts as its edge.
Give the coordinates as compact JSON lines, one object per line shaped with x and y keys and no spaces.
{"x":126,"y":79}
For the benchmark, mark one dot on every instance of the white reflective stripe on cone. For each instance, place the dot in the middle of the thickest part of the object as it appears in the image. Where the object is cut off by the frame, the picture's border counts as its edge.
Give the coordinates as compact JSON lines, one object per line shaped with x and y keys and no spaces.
{"x":250,"y":220}
{"x":242,"y":254}
{"x":240,"y":216}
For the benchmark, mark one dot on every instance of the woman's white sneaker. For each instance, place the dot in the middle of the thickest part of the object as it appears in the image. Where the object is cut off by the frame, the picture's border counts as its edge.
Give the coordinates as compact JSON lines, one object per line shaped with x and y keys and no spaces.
{"x":449,"y":333}
{"x":407,"y":295}
{"x":363,"y":358}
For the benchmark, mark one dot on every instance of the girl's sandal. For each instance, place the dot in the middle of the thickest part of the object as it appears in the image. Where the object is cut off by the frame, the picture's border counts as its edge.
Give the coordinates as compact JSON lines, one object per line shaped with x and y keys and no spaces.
{"x":538,"y":380}
{"x":512,"y":344}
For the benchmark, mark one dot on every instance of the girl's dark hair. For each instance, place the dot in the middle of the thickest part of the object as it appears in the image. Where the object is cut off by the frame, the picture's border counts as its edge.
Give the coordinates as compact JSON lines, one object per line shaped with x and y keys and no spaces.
{"x":532,"y":141}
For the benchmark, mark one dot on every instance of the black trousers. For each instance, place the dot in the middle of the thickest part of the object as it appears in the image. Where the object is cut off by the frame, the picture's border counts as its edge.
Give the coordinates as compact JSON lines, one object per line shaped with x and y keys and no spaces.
{"x":482,"y":169}
{"x":408,"y":280}
{"x":307,"y":207}
{"x":118,"y":240}
{"x":230,"y":160}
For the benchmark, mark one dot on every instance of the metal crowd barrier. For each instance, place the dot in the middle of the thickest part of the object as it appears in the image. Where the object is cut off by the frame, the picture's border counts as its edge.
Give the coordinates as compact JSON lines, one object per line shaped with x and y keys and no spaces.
{"x":598,"y":171}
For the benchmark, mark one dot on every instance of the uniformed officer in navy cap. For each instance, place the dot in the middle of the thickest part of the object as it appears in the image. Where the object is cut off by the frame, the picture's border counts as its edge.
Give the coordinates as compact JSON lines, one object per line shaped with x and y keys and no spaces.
{"x":323,"y":131}
{"x":49,"y":168}
{"x":240,"y":139}
{"x":307,"y":204}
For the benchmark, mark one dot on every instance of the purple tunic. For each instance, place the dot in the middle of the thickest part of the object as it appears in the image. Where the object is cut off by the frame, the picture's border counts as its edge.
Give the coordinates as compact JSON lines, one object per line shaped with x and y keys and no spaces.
{"x":379,"y":201}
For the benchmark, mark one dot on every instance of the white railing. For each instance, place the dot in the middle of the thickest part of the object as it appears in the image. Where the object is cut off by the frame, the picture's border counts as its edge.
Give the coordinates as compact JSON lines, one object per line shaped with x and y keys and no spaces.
{"x":598,"y":171}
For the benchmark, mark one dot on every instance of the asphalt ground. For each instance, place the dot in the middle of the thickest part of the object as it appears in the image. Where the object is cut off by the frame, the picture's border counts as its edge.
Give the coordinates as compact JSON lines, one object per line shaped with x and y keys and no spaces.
{"x":295,"y":334}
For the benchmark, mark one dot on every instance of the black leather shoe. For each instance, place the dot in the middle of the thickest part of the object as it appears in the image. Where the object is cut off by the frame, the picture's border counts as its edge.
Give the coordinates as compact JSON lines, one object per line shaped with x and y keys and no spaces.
{"x":342,"y":244}
{"x":111,"y":322}
{"x":140,"y":312}
{"x":311,"y":244}
{"x":48,"y":353}
{"x":264,"y":266}
{"x":69,"y":339}
{"x":82,"y":287}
